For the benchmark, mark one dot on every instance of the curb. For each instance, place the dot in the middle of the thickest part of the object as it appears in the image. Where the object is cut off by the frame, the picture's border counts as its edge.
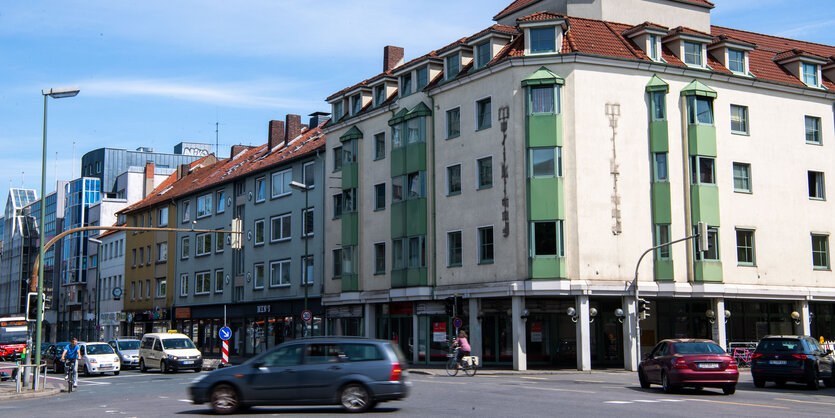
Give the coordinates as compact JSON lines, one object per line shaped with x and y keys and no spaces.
{"x":437,"y":372}
{"x":29,"y":395}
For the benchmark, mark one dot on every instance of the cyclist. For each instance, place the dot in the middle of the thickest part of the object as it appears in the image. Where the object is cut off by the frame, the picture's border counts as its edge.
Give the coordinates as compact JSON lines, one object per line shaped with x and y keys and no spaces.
{"x":463,"y":344}
{"x":71,"y":353}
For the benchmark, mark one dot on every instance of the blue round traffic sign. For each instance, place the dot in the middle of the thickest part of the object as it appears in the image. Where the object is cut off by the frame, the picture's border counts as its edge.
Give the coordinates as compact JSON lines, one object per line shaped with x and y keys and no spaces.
{"x":225,"y":333}
{"x":457,"y":322}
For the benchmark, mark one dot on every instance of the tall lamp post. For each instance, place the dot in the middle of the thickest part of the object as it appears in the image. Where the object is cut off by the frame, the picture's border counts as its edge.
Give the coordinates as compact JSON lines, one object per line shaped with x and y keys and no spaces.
{"x":98,"y":287}
{"x":306,"y":189}
{"x":56,"y":93}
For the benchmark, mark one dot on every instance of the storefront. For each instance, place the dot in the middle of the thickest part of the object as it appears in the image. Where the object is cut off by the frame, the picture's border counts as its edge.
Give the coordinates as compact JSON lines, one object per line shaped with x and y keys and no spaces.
{"x":345,"y":320}
{"x":144,"y":322}
{"x":823,"y":320}
{"x":750,"y":321}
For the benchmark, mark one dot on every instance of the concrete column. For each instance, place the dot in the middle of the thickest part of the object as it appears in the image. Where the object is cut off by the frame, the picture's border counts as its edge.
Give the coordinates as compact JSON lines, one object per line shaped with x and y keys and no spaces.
{"x":718,"y":306}
{"x":370,"y":320}
{"x":520,"y":359}
{"x":475,"y":327}
{"x":805,"y":327}
{"x":583,"y":333}
{"x":630,"y":340}
{"x":415,"y":338}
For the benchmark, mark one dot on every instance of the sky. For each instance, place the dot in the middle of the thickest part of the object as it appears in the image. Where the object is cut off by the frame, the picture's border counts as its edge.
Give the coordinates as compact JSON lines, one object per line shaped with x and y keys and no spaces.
{"x":158,"y":72}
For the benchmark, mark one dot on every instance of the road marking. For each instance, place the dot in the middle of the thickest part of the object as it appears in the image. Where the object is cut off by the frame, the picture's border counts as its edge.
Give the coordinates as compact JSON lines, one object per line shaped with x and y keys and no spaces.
{"x":590,"y":381}
{"x":647,"y":400}
{"x":742,"y":404}
{"x":184,"y":400}
{"x":534,"y":378}
{"x":560,"y":390}
{"x":798,"y":400}
{"x":672,"y":400}
{"x":618,"y":402}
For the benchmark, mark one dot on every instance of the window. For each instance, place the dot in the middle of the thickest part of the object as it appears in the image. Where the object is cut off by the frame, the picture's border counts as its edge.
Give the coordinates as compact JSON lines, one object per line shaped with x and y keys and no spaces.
{"x":397,"y":254}
{"x":161,"y":288}
{"x":415,"y":130}
{"x":280,"y":227}
{"x":349,"y":260}
{"x":185,"y":250}
{"x":453,"y":66}
{"x":660,"y":166}
{"x":453,"y":123}
{"x":484,"y":116}
{"x":162,"y":216}
{"x":309,"y":175}
{"x":810,"y":74}
{"x":219,"y":242}
{"x":349,"y":200}
{"x":406,"y":85}
{"x":138,"y":294}
{"x":542,"y":99}
{"x":692,"y":53}
{"x":260,"y":189}
{"x":183,"y":284}
{"x":337,"y":206}
{"x":485,"y":245}
{"x":337,"y":111}
{"x":204,"y":244}
{"x":422,"y":77}
{"x":397,"y":189}
{"x":219,"y":281}
{"x":380,"y":258}
{"x":545,"y":162}
{"x":484,"y":172}
{"x":280,"y":273}
{"x":700,"y":110}
{"x":141,"y":255}
{"x":337,"y":159}
{"x":307,"y":270}
{"x":379,"y":196}
{"x":162,"y":251}
{"x":659,"y":105}
{"x":396,"y":141}
{"x":204,"y":206}
{"x":258,"y":276}
{"x":454,"y":255}
{"x":307,"y":222}
{"x":417,"y":252}
{"x":745,"y":247}
{"x":453,"y":179}
{"x":712,"y":253}
{"x":702,"y":170}
{"x":820,"y":252}
{"x":281,"y":183}
{"x":380,"y":146}
{"x":337,"y":263}
{"x":736,"y":61}
{"x":186,"y":212}
{"x":221,"y":202}
{"x":742,"y":177}
{"x":356,"y":104}
{"x":349,"y":152}
{"x":739,"y":119}
{"x":133,"y":257}
{"x":202,"y":282}
{"x":543,"y":40}
{"x":482,"y":52}
{"x":653,"y":47}
{"x":259,"y":232}
{"x":416,"y":183}
{"x":662,"y":236}
{"x":379,"y":94}
{"x":813,"y":130}
{"x":546,"y":238}
{"x":816,"y":186}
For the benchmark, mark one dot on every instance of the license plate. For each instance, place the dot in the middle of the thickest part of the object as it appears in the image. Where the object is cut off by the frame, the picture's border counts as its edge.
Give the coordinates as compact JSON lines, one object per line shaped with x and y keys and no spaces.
{"x":708,"y":365}
{"x":777,"y":362}
{"x":188,"y":362}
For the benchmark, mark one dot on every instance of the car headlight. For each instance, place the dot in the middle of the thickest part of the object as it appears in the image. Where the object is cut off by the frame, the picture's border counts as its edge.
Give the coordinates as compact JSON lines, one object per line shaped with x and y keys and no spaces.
{"x":173,"y":357}
{"x":116,"y":359}
{"x":92,"y":360}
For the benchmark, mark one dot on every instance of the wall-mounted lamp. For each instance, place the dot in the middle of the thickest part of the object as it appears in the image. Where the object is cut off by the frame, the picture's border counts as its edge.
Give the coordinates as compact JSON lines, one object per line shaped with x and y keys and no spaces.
{"x":711,"y":315}
{"x":592,"y":314}
{"x":620,"y":315}
{"x":572,"y":313}
{"x":525,"y":315}
{"x":796,"y":317}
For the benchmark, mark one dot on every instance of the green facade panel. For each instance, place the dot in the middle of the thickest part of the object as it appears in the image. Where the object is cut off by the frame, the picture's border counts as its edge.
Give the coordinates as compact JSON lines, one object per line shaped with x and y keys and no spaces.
{"x":546,"y":197}
{"x":702,"y":140}
{"x":415,"y":217}
{"x":398,"y":278}
{"x":350,"y":229}
{"x":661,"y":210}
{"x":416,"y":277}
{"x":544,"y":130}
{"x":658,"y":136}
{"x":704,"y":203}
{"x":707,"y":271}
{"x":548,"y":268}
{"x":350,"y":176}
{"x":350,"y":283}
{"x":398,"y":220}
{"x":398,"y":161}
{"x":415,"y":158}
{"x":664,"y":271}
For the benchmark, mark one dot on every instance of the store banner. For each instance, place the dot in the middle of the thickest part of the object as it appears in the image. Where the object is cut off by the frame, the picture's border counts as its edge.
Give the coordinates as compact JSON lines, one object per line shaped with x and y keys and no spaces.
{"x":439,"y":332}
{"x":536,"y":332}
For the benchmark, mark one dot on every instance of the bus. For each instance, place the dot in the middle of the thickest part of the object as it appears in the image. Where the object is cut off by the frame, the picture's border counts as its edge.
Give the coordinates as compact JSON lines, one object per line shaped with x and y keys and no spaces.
{"x":13,"y":336}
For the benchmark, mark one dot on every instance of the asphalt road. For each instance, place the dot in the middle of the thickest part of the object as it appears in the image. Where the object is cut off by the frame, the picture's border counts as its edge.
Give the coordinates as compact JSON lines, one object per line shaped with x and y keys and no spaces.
{"x":597,"y":394}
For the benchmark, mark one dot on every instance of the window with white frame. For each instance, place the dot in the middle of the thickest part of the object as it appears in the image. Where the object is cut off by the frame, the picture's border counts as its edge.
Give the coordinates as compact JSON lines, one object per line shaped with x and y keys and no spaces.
{"x":660,"y":167}
{"x":379,"y":196}
{"x":484,"y":114}
{"x":453,"y":123}
{"x":307,"y":270}
{"x":204,"y":206}
{"x":454,"y":257}
{"x":453,"y":66}
{"x":653,"y":48}
{"x":309,"y":175}
{"x":204,"y":244}
{"x":453,"y":180}
{"x":202,"y":282}
{"x":161,"y":285}
{"x":162,"y":216}
{"x":485,"y":245}
{"x":162,"y":251}
{"x":813,"y":130}
{"x":307,"y":222}
{"x":380,"y":146}
{"x":186,"y":211}
{"x":258,"y":276}
{"x":219,"y":242}
{"x":482,"y":54}
{"x":219,"y":281}
{"x":543,"y":39}
{"x":817,"y":191}
{"x":736,"y":61}
{"x":280,"y":182}
{"x":546,"y":238}
{"x":406,"y":84}
{"x":221,"y":202}
{"x":185,"y":250}
{"x":183,"y":285}
{"x":280,"y":227}
{"x":742,"y":177}
{"x":545,"y":162}
{"x":693,"y":53}
{"x":739,"y":119}
{"x":820,"y":251}
{"x":260,"y":189}
{"x":380,"y":258}
{"x":337,"y":263}
{"x":702,"y":170}
{"x":280,"y":273}
{"x":810,"y":74}
{"x":259,"y":232}
{"x":484,"y":173}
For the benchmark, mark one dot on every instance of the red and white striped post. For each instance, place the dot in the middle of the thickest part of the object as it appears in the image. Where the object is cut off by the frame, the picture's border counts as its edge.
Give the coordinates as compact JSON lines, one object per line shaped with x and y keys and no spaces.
{"x":225,"y":351}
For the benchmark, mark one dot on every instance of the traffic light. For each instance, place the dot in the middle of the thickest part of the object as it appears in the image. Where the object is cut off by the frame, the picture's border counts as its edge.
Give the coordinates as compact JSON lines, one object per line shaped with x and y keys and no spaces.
{"x":32,"y":306}
{"x":449,"y":306}
{"x":644,"y":308}
{"x":701,"y":229}
{"x":236,"y":236}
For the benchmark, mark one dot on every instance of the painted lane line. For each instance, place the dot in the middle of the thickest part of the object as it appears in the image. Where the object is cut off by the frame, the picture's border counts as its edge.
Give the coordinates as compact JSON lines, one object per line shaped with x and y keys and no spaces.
{"x":184,"y":400}
{"x":798,"y":400}
{"x":647,"y":400}
{"x":672,"y":400}
{"x":534,"y":378}
{"x":618,"y":402}
{"x":742,"y":404}
{"x":560,"y":390}
{"x":590,"y":381}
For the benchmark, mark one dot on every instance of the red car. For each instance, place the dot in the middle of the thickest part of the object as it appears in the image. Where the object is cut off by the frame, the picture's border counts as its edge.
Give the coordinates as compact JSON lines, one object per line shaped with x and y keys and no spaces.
{"x":679,"y":363}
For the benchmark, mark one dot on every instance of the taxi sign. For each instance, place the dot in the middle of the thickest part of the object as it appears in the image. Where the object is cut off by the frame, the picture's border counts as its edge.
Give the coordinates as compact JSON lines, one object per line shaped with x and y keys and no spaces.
{"x":224,"y":333}
{"x":172,"y":331}
{"x":306,"y":315}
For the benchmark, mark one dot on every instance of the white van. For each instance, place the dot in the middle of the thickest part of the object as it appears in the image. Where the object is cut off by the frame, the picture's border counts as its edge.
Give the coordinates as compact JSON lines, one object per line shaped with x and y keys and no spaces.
{"x":168,"y":352}
{"x":97,"y":358}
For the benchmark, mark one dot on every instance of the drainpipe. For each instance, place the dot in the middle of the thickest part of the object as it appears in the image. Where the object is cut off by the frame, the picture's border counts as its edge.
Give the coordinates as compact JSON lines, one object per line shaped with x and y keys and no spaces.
{"x":434,"y":231}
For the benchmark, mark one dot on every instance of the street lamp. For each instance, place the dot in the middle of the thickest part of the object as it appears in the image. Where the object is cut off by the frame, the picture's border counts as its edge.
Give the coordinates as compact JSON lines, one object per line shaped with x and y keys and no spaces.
{"x":306,"y":189}
{"x":56,"y":93}
{"x":98,"y":286}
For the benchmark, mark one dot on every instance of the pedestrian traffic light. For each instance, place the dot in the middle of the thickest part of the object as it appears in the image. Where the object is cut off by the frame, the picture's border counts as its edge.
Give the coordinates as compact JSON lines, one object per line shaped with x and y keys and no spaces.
{"x":644,"y":308}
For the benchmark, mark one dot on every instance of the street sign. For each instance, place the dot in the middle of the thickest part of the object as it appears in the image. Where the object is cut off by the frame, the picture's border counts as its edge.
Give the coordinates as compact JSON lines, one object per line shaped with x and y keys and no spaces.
{"x":225,"y":333}
{"x":457,"y":322}
{"x":306,"y":315}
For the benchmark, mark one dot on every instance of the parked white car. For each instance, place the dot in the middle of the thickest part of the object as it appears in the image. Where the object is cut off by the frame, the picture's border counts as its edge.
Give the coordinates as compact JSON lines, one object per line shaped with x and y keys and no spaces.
{"x":98,"y":357}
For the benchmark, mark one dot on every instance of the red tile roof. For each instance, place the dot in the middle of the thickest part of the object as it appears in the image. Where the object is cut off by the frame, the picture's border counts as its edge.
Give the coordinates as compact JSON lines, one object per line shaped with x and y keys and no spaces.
{"x":252,"y":160}
{"x":503,"y":29}
{"x":687,"y":31}
{"x":700,"y":2}
{"x":516,"y":5}
{"x":540,"y":16}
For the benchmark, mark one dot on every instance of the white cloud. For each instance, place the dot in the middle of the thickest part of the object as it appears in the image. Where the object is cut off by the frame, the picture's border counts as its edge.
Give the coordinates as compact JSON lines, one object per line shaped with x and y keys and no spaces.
{"x":807,"y":29}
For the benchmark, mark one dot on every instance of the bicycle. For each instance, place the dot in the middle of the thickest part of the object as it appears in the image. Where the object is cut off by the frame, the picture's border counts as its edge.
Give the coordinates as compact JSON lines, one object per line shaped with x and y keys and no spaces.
{"x":469,"y":364}
{"x":69,"y":368}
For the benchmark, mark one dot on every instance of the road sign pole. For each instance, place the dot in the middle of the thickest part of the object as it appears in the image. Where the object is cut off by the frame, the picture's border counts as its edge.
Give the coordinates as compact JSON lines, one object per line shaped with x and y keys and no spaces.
{"x":225,"y":353}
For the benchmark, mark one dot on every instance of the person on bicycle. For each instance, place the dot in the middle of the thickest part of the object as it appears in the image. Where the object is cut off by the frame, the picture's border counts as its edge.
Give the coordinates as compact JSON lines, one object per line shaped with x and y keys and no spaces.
{"x":71,"y":353}
{"x":463,"y":344}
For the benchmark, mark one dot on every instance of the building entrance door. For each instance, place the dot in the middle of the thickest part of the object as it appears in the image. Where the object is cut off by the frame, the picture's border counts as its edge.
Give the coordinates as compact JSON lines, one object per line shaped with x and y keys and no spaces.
{"x":607,"y":336}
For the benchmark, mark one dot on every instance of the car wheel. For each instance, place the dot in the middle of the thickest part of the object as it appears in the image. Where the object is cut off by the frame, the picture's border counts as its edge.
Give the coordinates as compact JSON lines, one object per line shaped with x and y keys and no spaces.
{"x":198,"y":369}
{"x":163,"y":366}
{"x":354,"y":397}
{"x":665,"y":382}
{"x":830,"y":383}
{"x":142,"y":367}
{"x":759,"y":382}
{"x":643,"y":379}
{"x":87,"y":371}
{"x":729,"y":390}
{"x":225,"y":399}
{"x":116,"y":373}
{"x":815,"y":382}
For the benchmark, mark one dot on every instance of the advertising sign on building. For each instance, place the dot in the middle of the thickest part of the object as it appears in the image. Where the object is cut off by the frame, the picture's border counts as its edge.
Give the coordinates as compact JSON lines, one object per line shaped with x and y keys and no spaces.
{"x":536,"y":332}
{"x":439,"y":332}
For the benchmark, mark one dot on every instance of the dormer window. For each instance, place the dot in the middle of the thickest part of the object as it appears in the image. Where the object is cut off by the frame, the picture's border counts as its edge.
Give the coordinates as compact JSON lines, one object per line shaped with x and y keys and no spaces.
{"x":379,"y":94}
{"x":810,"y":74}
{"x":422,"y":77}
{"x":693,"y":54}
{"x":406,"y":84}
{"x":653,"y":48}
{"x":453,"y":66}
{"x":337,"y":110}
{"x":736,"y":61}
{"x":482,"y":51}
{"x":543,"y":40}
{"x":356,"y":104}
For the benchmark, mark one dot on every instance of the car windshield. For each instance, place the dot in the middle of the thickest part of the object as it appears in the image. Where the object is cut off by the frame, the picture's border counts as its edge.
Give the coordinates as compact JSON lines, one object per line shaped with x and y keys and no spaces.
{"x":93,"y":349}
{"x":698,"y":348}
{"x":128,"y":345}
{"x":782,"y":345}
{"x":13,"y":335}
{"x":177,"y":343}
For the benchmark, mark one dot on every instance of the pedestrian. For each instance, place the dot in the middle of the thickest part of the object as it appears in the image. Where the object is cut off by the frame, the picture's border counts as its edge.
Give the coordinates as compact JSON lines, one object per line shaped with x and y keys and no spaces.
{"x":71,"y":352}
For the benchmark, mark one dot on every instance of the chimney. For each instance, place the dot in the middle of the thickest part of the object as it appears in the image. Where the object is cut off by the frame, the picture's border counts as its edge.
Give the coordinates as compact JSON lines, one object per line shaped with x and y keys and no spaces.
{"x":294,"y":127}
{"x":182,"y":170}
{"x":149,"y":179}
{"x":317,"y":118}
{"x":236,"y":149}
{"x":392,"y":57}
{"x":276,"y":134}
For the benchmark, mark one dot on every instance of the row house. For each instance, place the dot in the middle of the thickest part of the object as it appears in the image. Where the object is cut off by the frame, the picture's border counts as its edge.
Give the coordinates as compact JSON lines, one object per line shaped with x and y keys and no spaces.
{"x":515,"y":177}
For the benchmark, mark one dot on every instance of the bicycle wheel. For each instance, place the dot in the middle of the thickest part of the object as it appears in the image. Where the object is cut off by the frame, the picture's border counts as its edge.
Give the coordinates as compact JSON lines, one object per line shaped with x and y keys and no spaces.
{"x":451,"y":366}
{"x":470,"y":369}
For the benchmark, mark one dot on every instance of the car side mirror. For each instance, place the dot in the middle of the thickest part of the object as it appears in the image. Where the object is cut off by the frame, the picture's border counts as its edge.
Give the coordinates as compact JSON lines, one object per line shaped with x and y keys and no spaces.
{"x":257,"y":364}
{"x":647,"y":356}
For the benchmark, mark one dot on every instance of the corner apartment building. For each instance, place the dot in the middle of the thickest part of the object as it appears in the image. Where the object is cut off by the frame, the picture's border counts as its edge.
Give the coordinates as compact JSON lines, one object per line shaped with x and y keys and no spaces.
{"x":20,"y":235}
{"x":526,"y":168}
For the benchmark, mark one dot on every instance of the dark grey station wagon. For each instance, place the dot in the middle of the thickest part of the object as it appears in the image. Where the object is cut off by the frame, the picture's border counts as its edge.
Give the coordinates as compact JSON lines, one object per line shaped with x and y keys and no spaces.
{"x":356,"y":373}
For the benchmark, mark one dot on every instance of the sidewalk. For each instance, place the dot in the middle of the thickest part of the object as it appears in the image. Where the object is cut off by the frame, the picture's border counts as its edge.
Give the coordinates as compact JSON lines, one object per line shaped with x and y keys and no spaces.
{"x":7,"y":391}
{"x":440,"y":371}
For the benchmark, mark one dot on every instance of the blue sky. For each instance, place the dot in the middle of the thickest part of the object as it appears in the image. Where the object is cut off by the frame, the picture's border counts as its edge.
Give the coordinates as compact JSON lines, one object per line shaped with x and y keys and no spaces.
{"x":158,"y":72}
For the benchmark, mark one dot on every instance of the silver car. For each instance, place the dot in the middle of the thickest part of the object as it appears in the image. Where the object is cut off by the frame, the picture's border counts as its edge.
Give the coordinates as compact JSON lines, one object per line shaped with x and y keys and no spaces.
{"x":355,"y":373}
{"x":128,"y":351}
